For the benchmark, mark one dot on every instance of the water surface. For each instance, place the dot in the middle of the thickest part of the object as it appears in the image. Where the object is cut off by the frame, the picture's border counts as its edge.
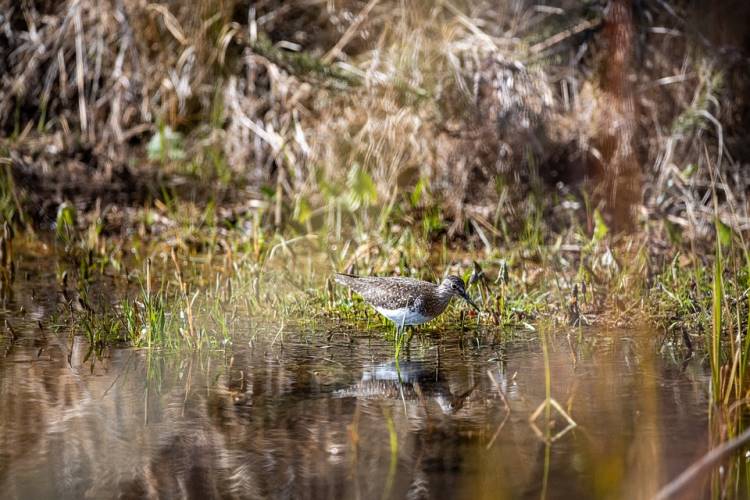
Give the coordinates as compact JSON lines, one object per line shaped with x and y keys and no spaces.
{"x":326,"y":413}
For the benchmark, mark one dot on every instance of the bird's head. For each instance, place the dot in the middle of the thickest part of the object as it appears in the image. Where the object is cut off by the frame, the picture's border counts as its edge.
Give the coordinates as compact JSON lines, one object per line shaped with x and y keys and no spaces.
{"x":455,"y":286}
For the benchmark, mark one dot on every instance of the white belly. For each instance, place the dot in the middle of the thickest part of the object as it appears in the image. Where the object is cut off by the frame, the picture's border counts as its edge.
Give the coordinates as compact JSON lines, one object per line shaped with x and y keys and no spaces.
{"x":403,"y":316}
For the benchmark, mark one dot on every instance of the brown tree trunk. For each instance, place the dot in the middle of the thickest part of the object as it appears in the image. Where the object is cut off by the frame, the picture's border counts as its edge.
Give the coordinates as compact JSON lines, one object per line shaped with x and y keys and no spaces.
{"x":619,"y":180}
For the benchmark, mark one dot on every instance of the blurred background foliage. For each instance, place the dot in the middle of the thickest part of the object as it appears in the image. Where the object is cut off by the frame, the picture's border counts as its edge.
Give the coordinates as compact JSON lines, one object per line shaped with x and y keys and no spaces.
{"x":466,"y":117}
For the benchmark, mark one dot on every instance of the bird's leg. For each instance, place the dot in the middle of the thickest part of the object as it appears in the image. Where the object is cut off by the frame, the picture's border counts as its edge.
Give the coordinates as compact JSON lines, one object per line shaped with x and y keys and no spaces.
{"x":411,"y":334}
{"x":408,"y":343}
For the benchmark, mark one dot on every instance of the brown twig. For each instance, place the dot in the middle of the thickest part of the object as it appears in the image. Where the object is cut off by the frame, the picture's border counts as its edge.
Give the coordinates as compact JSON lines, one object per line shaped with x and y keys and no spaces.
{"x":698,"y":468}
{"x":559,"y":37}
{"x":349,"y":33}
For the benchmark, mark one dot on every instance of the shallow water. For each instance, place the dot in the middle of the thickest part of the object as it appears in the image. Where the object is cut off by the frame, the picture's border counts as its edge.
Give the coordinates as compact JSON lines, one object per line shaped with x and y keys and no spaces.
{"x":328,"y":414}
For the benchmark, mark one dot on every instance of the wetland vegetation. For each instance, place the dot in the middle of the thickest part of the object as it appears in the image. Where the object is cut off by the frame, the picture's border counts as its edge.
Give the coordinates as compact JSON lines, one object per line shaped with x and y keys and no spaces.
{"x":179,"y":181}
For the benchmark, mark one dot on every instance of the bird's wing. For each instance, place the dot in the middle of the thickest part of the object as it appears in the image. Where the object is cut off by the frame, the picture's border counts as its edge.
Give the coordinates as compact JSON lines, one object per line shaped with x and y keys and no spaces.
{"x":393,"y":293}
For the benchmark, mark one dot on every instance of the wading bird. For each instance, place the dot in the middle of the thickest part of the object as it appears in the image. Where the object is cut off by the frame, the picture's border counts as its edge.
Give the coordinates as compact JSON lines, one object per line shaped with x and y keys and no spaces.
{"x":406,"y":301}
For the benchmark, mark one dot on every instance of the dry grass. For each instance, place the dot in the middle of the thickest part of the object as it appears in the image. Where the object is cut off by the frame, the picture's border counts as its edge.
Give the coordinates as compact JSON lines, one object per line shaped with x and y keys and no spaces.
{"x":335,"y":108}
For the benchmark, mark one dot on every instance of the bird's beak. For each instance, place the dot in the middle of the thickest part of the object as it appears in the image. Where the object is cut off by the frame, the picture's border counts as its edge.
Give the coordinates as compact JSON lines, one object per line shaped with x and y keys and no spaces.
{"x":466,"y":297}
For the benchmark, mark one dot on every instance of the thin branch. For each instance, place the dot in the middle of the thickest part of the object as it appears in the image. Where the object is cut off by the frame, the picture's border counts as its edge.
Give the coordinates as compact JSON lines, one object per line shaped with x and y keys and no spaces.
{"x":349,"y":33}
{"x":559,"y":37}
{"x":708,"y":461}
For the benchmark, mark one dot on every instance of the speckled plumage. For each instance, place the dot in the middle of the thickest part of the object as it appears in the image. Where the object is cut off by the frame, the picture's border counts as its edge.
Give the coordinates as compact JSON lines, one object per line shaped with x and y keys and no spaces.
{"x":413,"y":301}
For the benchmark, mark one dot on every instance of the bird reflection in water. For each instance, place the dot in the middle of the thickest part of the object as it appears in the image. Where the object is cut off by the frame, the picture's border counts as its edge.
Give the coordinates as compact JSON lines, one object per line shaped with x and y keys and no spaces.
{"x":407,"y":380}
